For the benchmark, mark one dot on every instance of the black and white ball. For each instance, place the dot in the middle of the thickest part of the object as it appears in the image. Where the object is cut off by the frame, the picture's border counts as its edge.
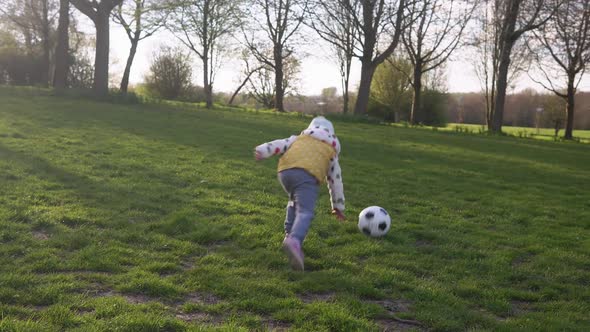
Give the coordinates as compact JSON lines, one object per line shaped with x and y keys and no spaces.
{"x":374,"y":221}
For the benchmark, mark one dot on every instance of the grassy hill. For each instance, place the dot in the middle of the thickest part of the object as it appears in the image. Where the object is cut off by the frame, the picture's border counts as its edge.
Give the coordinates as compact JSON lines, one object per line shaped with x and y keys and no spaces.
{"x":157,"y":218}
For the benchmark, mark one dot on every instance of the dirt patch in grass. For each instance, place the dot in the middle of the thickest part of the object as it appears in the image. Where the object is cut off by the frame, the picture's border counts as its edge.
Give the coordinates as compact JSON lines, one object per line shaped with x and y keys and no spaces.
{"x":187,"y":264}
{"x":521,"y":259}
{"x":363,"y":258}
{"x":391,"y":321}
{"x":202,"y":298}
{"x":393,"y":306}
{"x":276,"y":325}
{"x":40,"y":235}
{"x":521,"y":307}
{"x":138,"y":298}
{"x":212,"y":246}
{"x":314,"y":297}
{"x":199,"y":317}
{"x":387,"y":325}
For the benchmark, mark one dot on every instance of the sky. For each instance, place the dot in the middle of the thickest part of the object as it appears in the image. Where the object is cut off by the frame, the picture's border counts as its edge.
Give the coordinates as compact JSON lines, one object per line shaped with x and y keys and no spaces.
{"x":317,"y":72}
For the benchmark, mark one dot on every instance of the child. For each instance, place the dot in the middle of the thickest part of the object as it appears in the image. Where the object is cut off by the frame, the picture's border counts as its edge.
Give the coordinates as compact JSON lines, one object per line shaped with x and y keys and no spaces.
{"x":306,"y":161}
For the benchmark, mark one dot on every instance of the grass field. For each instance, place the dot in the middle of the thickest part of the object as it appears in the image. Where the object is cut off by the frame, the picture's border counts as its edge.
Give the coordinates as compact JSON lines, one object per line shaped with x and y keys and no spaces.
{"x":156,"y":218}
{"x":583,"y":136}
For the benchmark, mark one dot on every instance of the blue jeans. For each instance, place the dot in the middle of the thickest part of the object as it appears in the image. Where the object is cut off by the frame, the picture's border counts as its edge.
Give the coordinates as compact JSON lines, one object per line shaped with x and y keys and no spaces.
{"x":302,"y":189}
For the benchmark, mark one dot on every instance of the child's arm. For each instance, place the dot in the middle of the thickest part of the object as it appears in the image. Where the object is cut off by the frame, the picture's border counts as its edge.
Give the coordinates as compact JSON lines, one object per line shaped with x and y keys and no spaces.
{"x":336,"y":187}
{"x":275,"y":147}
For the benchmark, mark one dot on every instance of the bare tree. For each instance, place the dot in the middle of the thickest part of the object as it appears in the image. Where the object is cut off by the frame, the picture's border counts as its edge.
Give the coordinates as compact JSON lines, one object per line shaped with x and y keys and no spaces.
{"x":140,"y":19}
{"x":565,"y":53}
{"x":485,"y":59}
{"x":248,"y":71}
{"x":434,"y":31}
{"x":335,"y":24}
{"x":518,"y":17}
{"x":379,"y":24}
{"x":204,"y":27}
{"x":278,"y":21}
{"x":99,"y":12}
{"x":61,"y":49}
{"x":262,"y":86}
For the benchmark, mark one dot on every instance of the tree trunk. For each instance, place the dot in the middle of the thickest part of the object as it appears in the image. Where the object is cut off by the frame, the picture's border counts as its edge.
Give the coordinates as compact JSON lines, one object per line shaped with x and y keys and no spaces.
{"x":416,"y":116}
{"x":569,"y":125}
{"x":345,"y":101}
{"x":206,"y":57}
{"x":127,"y":72}
{"x":507,"y":40}
{"x":233,"y":96}
{"x":209,"y":96}
{"x":362,"y":100}
{"x":501,"y":85}
{"x":101,"y":61}
{"x":206,"y":83}
{"x":345,"y":94}
{"x":60,"y":75}
{"x":46,"y":45}
{"x":279,"y":74}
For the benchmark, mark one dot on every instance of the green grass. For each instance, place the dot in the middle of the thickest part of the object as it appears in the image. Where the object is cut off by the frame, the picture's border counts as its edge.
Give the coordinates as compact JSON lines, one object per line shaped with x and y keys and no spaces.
{"x":157,"y":218}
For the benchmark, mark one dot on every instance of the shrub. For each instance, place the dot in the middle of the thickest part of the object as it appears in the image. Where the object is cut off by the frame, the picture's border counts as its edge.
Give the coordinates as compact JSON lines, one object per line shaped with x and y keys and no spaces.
{"x":170,"y":73}
{"x":434,"y":107}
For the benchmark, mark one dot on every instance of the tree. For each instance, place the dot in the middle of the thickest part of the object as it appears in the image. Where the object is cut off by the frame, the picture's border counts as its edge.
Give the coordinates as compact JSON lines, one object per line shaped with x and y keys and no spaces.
{"x":61,"y":50}
{"x":34,"y":18}
{"x":204,"y":27}
{"x":262,"y":85}
{"x":170,"y":73}
{"x":247,"y":72}
{"x":335,"y":24}
{"x":434,"y":31}
{"x":328,"y":93}
{"x":278,"y":21}
{"x":517,"y":17}
{"x":140,"y":19}
{"x":487,"y":55}
{"x":17,"y":67}
{"x":80,"y":59}
{"x":565,"y":52}
{"x":552,"y":113}
{"x":391,"y":96}
{"x":99,"y":12}
{"x":379,"y":23}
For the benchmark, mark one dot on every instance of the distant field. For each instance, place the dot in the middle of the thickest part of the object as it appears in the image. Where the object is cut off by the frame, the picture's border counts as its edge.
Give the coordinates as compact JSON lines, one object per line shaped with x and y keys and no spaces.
{"x":543,"y":133}
{"x":157,"y":218}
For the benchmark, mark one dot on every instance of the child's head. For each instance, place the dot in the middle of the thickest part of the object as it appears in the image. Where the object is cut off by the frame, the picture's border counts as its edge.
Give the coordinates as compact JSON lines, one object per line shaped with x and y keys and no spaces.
{"x":322,"y":129}
{"x":323,"y":123}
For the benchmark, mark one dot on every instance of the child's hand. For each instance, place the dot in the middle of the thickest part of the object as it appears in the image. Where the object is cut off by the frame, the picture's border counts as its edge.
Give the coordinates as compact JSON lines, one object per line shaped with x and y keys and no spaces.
{"x":257,"y":155}
{"x":339,"y":215}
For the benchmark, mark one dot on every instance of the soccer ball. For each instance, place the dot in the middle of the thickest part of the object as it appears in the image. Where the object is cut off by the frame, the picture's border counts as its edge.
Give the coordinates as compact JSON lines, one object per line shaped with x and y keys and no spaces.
{"x":374,"y":221}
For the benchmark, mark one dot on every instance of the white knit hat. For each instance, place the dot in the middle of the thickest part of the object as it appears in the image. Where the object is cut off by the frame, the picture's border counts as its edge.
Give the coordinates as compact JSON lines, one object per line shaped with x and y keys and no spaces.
{"x":320,"y":121}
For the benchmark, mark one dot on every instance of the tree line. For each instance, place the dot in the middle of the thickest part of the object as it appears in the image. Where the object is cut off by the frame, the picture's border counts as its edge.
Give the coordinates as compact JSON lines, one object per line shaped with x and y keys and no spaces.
{"x":527,"y":108}
{"x":549,"y":39}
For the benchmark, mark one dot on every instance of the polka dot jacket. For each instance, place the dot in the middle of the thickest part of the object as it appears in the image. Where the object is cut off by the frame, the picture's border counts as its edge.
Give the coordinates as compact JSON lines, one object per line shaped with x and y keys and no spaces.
{"x":320,"y":129}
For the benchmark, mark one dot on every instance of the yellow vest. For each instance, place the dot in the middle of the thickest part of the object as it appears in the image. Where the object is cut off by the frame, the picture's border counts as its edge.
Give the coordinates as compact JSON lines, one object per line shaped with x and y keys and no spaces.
{"x":310,"y":154}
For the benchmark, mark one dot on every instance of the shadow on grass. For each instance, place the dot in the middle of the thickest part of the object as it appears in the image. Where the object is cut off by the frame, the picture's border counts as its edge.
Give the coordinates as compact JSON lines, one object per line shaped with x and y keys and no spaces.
{"x":95,"y":194}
